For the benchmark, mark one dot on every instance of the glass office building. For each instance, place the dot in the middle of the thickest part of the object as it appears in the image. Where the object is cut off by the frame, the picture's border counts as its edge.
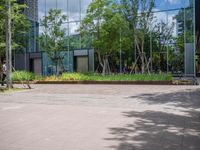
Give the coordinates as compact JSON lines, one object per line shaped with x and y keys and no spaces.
{"x":29,"y":58}
{"x":77,"y":56}
{"x":175,"y":52}
{"x":197,"y":27}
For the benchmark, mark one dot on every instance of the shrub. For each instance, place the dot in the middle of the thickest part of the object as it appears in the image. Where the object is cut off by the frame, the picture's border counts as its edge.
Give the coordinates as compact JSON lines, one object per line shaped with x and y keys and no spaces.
{"x":52,"y":78}
{"x":117,"y":77}
{"x":27,"y":76}
{"x":23,"y":76}
{"x":74,"y":77}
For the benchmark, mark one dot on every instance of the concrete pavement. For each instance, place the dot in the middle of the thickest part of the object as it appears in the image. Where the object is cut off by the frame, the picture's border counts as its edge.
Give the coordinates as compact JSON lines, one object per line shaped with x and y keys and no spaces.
{"x":101,"y":117}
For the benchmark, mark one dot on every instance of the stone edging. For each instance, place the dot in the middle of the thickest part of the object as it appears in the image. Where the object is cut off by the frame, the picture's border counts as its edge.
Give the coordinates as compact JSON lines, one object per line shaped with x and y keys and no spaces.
{"x":174,"y":82}
{"x":108,"y":82}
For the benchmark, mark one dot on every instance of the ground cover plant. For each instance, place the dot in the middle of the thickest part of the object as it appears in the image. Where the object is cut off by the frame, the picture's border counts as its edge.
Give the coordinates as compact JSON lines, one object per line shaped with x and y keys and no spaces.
{"x":23,"y":76}
{"x":116,"y":77}
{"x":27,"y":76}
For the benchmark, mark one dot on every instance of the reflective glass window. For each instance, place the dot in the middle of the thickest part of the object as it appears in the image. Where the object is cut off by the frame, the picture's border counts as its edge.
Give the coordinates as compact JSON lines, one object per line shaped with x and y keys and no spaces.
{"x":74,"y":10}
{"x":84,"y":6}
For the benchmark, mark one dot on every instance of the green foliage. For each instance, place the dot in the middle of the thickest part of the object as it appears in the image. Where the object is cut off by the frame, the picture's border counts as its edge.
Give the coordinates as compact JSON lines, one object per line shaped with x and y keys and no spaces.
{"x":118,"y":77}
{"x":139,"y":15}
{"x":23,"y":76}
{"x":19,"y":28}
{"x":52,"y":39}
{"x":108,"y":28}
{"x":27,"y":76}
{"x":74,"y":76}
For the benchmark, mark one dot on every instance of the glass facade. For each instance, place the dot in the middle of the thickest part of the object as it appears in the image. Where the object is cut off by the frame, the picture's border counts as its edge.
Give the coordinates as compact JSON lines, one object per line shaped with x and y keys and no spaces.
{"x":32,"y":14}
{"x":27,"y":57}
{"x":197,"y":27}
{"x":49,"y":68}
{"x":171,"y":50}
{"x":75,"y":10}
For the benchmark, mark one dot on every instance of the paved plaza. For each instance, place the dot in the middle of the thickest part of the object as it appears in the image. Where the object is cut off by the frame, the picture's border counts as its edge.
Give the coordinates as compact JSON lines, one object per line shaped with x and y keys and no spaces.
{"x":101,"y":117}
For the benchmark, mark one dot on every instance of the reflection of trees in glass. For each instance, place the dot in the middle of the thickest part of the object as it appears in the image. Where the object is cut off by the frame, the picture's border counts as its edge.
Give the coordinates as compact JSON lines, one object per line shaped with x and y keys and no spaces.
{"x":174,"y":45}
{"x":77,"y":43}
{"x":185,"y":24}
{"x":177,"y":58}
{"x":109,"y":31}
{"x":73,"y":41}
{"x":162,"y":34}
{"x":161,"y":39}
{"x":139,"y":14}
{"x":185,"y":33}
{"x":52,"y":38}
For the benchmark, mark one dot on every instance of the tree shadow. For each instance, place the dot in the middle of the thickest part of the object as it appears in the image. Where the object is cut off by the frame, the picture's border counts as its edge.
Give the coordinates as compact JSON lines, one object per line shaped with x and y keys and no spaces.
{"x":6,"y":90}
{"x":160,"y":130}
{"x":186,"y":98}
{"x":2,"y":90}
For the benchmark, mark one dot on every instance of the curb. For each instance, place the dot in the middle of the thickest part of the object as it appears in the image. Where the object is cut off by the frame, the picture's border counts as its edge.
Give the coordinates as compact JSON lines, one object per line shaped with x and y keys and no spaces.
{"x":173,"y":82}
{"x":108,"y":82}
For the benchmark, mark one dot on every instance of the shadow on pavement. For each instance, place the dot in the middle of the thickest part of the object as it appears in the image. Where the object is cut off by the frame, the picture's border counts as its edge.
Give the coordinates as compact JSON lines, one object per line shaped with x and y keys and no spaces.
{"x":187,"y":98}
{"x":160,"y":130}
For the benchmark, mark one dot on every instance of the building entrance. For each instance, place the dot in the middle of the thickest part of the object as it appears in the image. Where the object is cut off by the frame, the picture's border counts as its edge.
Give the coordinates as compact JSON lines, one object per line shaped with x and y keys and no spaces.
{"x":81,"y":64}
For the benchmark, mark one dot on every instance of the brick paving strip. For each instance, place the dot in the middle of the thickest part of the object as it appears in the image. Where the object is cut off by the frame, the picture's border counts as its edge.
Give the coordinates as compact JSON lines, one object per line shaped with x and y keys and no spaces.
{"x":101,"y":117}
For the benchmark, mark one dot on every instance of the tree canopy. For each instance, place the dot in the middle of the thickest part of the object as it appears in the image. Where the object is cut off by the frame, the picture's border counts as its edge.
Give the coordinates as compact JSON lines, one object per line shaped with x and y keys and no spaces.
{"x":109,"y":30}
{"x":19,"y":26}
{"x":52,"y":38}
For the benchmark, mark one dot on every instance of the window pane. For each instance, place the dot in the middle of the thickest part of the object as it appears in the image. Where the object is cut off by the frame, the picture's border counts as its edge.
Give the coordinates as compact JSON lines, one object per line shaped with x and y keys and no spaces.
{"x":84,"y":6}
{"x":74,"y":10}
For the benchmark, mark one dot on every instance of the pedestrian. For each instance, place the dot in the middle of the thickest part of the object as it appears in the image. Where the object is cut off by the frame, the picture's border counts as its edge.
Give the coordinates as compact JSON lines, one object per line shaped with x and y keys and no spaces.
{"x":4,"y":69}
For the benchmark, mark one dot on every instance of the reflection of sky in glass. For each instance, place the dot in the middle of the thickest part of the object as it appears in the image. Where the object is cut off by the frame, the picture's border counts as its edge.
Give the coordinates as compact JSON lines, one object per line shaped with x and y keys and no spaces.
{"x":67,"y":6}
{"x":171,"y":4}
{"x":169,"y":16}
{"x":72,"y":8}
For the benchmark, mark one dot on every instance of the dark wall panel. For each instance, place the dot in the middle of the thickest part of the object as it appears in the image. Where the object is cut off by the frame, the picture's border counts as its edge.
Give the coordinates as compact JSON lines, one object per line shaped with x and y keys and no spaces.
{"x":197,"y":2}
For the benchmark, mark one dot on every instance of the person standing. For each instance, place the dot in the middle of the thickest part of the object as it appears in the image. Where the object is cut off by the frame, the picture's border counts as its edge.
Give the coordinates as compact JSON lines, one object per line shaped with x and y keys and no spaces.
{"x":4,"y":69}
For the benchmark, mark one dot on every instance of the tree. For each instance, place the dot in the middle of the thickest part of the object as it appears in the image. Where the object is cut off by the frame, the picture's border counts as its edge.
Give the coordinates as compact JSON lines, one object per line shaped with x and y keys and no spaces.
{"x":12,"y":22}
{"x":109,"y":31}
{"x":19,"y":27}
{"x":162,"y":36}
{"x":53,"y":35}
{"x":139,"y":14}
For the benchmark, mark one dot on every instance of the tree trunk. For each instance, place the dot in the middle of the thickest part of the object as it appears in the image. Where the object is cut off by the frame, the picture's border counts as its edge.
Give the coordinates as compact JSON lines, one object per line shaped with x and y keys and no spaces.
{"x":142,"y":58}
{"x":56,"y":68}
{"x":106,"y":67}
{"x":143,"y":64}
{"x":0,"y":67}
{"x":147,"y":64}
{"x":141,"y":55}
{"x":8,"y":47}
{"x":100,"y":60}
